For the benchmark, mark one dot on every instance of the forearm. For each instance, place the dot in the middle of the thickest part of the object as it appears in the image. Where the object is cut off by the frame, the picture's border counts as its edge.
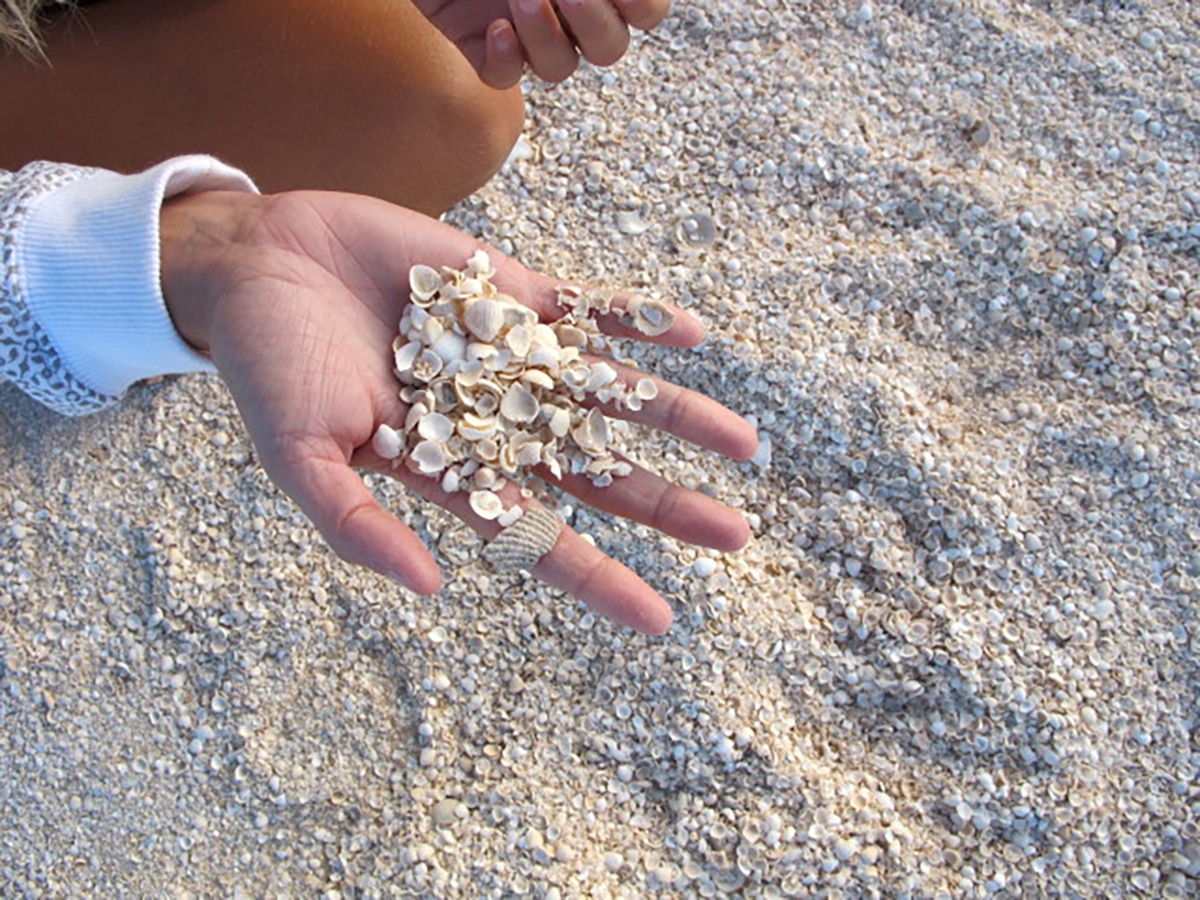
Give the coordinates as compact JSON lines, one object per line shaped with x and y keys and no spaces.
{"x":82,"y":313}
{"x":360,"y":96}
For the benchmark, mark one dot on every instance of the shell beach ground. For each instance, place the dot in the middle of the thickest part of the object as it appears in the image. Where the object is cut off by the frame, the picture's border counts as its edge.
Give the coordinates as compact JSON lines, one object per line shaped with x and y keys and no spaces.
{"x":949,"y":254}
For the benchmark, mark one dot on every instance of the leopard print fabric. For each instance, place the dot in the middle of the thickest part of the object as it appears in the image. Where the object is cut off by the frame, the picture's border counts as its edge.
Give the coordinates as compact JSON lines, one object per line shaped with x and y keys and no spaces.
{"x":28,"y":357}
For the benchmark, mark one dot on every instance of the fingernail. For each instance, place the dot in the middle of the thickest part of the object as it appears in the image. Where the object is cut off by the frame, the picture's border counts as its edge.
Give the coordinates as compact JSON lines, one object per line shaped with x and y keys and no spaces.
{"x":502,"y":35}
{"x":529,"y":7}
{"x":399,"y":579}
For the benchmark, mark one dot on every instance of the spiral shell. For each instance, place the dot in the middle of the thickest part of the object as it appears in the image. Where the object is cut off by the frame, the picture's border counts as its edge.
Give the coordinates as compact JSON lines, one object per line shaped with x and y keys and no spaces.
{"x":521,"y":546}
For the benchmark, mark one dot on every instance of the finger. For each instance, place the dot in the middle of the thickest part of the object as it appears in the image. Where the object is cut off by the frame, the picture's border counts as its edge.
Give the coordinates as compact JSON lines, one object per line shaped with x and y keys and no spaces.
{"x":541,"y":294}
{"x":644,"y":497}
{"x":356,"y":527}
{"x":613,"y":590}
{"x":687,"y":414}
{"x":503,"y":62}
{"x":573,"y":564}
{"x":550,"y":52}
{"x":643,"y":14}
{"x":601,"y":34}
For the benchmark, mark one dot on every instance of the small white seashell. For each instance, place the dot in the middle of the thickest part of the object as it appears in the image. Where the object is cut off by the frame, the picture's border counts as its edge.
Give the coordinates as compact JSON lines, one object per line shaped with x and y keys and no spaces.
{"x":576,"y":377}
{"x":486,"y":403}
{"x":546,"y":358}
{"x":450,"y":481}
{"x":507,"y":459}
{"x":509,"y":516}
{"x":519,"y":405}
{"x":471,"y":287}
{"x":527,"y":449}
{"x":480,"y":265}
{"x":474,"y":427}
{"x":601,"y":375}
{"x":486,"y":504}
{"x":412,"y":320}
{"x":650,"y":317}
{"x":488,"y":450}
{"x":450,"y":346}
{"x":498,"y":361}
{"x":552,"y":461}
{"x":427,"y":366}
{"x":694,"y":231}
{"x":630,"y":222}
{"x":646,"y":388}
{"x":519,"y":340}
{"x":387,"y":442}
{"x":570,"y":335}
{"x":445,"y":397}
{"x":529,"y":454}
{"x":431,"y":329}
{"x":520,"y":546}
{"x":405,"y":356}
{"x":416,"y":412}
{"x":435,"y":427}
{"x":542,"y":335}
{"x":429,"y":457}
{"x":536,"y":378}
{"x":559,"y":421}
{"x":424,"y":281}
{"x":484,"y":318}
{"x":516,"y":313}
{"x":485,"y":478}
{"x":592,"y":434}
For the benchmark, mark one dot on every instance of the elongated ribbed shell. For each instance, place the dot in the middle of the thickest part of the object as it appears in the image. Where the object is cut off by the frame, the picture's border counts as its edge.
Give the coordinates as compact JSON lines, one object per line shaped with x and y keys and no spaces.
{"x":521,"y":546}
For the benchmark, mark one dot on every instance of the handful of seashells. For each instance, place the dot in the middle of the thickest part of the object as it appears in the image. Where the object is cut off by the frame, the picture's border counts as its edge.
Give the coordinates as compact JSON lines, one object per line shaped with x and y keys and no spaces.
{"x":493,"y":392}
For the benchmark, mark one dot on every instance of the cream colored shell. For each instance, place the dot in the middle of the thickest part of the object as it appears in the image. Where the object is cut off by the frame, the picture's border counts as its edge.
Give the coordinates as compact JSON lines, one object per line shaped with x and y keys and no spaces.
{"x":492,"y":392}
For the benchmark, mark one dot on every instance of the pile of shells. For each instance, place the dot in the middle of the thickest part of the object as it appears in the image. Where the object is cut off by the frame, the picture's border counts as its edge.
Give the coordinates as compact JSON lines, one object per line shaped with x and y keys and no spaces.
{"x":493,"y":392}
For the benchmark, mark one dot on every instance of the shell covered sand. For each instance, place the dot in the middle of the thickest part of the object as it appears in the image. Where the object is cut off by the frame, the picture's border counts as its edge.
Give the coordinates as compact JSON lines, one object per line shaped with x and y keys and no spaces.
{"x":950,"y":254}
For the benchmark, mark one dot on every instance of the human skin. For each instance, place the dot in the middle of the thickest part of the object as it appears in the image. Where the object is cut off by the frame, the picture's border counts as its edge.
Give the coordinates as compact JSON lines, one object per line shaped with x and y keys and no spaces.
{"x":296,"y":298}
{"x":502,"y":37}
{"x":361,"y":96}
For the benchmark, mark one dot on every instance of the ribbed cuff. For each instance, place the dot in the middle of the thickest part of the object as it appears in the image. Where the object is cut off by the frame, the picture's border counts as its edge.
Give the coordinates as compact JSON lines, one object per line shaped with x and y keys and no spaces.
{"x":89,"y":253}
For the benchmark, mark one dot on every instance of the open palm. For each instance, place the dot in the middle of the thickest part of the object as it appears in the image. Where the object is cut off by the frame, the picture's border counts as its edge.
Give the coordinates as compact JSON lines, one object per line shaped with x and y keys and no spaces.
{"x":301,"y":302}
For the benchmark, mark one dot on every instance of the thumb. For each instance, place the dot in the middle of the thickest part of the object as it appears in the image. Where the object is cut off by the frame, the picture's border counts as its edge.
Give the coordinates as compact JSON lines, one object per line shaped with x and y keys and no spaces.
{"x":356,"y":527}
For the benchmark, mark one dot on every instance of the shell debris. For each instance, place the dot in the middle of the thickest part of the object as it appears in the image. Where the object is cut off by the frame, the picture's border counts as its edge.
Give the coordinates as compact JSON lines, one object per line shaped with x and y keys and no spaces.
{"x":490,"y":389}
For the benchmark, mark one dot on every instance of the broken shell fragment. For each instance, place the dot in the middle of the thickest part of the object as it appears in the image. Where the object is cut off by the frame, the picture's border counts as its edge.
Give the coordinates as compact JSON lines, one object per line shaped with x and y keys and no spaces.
{"x":424,"y":281}
{"x":650,"y":317}
{"x":694,"y":231}
{"x":435,"y":427}
{"x":493,"y":393}
{"x":387,"y":442}
{"x":486,"y":504}
{"x":646,"y":389}
{"x":519,"y":405}
{"x":592,"y":433}
{"x":429,"y":457}
{"x":484,"y":318}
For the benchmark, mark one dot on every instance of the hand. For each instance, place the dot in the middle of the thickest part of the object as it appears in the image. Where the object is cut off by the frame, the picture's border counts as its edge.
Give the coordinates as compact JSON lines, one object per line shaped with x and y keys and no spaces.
{"x":500,"y":36}
{"x":297,"y":298}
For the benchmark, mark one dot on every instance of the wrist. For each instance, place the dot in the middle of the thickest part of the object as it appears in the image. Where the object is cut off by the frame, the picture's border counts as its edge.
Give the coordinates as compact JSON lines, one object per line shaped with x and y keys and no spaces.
{"x":199,"y":235}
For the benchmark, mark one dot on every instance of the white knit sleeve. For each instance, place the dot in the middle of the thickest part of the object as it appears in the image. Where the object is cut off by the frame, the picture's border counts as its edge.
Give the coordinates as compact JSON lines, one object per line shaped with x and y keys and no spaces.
{"x":82,"y":314}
